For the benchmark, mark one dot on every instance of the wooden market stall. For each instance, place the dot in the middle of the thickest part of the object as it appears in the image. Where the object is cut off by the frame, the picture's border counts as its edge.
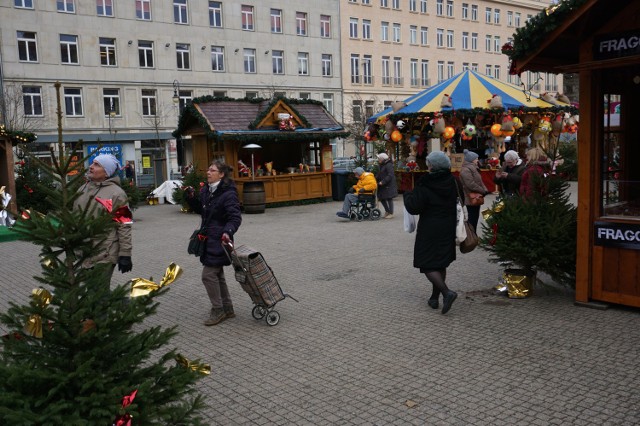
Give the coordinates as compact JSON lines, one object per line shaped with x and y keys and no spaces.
{"x":293,"y":157}
{"x":600,"y":42}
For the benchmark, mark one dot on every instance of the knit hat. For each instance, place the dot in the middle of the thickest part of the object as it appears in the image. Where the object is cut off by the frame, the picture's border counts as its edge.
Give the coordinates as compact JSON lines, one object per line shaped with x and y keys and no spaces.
{"x":438,"y":160}
{"x":469,"y":156}
{"x":108,"y":162}
{"x":383,"y":156}
{"x":358,"y":171}
{"x":511,"y":155}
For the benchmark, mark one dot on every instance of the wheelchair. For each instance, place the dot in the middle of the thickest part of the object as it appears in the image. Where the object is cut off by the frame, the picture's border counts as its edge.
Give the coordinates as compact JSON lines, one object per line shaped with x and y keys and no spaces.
{"x":365,"y":207}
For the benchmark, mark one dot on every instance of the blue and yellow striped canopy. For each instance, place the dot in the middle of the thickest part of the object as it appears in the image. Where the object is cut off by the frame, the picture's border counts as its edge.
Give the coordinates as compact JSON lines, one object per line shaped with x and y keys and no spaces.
{"x":468,"y":90}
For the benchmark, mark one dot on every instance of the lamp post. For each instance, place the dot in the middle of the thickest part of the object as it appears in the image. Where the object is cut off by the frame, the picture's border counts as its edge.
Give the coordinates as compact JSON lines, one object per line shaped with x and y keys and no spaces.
{"x":176,"y":101}
{"x":252,"y":146}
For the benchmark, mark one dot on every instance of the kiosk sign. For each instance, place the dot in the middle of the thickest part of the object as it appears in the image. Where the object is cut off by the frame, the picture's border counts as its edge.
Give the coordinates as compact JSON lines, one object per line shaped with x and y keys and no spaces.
{"x":622,"y":235}
{"x":617,"y":45}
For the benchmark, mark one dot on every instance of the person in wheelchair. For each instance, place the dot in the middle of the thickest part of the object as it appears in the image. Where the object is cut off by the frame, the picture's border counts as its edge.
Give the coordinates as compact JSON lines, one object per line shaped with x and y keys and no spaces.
{"x":366,"y":185}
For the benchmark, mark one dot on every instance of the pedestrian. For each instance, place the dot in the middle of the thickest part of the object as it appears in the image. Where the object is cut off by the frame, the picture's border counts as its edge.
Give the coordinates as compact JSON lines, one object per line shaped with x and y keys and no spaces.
{"x":219,"y":206}
{"x":434,"y":198}
{"x":387,"y":187}
{"x":472,"y":183}
{"x":366,"y":183}
{"x":509,"y":176}
{"x":534,"y":173}
{"x":102,"y":192}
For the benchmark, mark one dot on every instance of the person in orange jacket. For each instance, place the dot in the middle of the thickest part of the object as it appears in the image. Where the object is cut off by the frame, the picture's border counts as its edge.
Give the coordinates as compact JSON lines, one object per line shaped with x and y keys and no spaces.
{"x":366,"y":183}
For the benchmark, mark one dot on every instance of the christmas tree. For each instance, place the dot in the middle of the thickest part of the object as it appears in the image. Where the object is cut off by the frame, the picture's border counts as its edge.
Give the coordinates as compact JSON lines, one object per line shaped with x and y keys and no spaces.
{"x":79,"y":353}
{"x":536,"y":233}
{"x":30,"y":180}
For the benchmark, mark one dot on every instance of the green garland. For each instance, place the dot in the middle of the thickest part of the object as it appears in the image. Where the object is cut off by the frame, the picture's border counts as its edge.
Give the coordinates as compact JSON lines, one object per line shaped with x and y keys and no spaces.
{"x":17,"y":136}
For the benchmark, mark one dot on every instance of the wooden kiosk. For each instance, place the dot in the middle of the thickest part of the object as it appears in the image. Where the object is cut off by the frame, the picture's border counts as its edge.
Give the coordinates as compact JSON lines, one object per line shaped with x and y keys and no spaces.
{"x":600,"y":41}
{"x":292,"y":136}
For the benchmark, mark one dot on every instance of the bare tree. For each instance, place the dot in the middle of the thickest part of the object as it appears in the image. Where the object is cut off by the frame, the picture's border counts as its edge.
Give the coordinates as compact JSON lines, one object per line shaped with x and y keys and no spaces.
{"x":355,"y":120}
{"x":13,"y":110}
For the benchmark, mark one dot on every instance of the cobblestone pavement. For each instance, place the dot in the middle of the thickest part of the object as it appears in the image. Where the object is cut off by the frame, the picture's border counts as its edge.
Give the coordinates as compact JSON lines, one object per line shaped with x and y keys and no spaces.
{"x":362,"y":347}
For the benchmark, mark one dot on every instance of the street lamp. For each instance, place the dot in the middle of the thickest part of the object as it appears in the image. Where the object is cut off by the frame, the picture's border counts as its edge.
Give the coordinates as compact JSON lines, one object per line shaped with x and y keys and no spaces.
{"x":176,"y":93}
{"x":176,"y":101}
{"x":252,"y":147}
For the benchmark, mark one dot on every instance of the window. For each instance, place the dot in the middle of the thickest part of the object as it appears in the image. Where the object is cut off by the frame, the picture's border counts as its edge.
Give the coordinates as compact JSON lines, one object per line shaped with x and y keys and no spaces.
{"x":439,"y":7}
{"x":247,"y":18}
{"x":440,"y":37}
{"x":108,"y":51}
{"x":487,"y":70}
{"x":397,"y":71}
{"x":148,"y":103}
{"x":184,"y":97}
{"x":183,"y":61}
{"x":277,"y":61}
{"x":367,"y":72}
{"x":509,"y":18}
{"x":355,"y":69}
{"x":450,"y":69}
{"x":423,"y":6}
{"x":496,"y":16}
{"x":474,"y":42}
{"x":474,"y":12}
{"x":366,"y":29}
{"x":450,"y":39}
{"x":440,"y":71}
{"x":251,"y":95}
{"x":424,"y":69}
{"x":325,"y":26}
{"x":395,"y":4}
{"x":353,"y":27}
{"x":516,"y":21}
{"x":180,"y":12}
{"x":73,"y":102}
{"x":465,"y":66}
{"x":111,"y":102}
{"x":32,"y":100}
{"x":386,"y":71}
{"x":413,"y":6}
{"x":326,"y":65}
{"x":414,"y":72}
{"x":356,"y":110}
{"x":27,"y":46}
{"x":450,"y":8}
{"x":487,"y":43}
{"x":217,"y":58}
{"x":303,"y":63}
{"x":413,"y":34}
{"x":487,"y":15}
{"x":69,"y":49}
{"x":23,"y":4}
{"x":366,"y":2}
{"x":143,"y":10}
{"x":104,"y":7}
{"x":474,"y":67}
{"x":249,"y":61}
{"x":384,"y":31}
{"x":369,"y":108}
{"x":465,"y":11}
{"x":215,"y":14}
{"x":276,"y":21}
{"x":424,"y":36}
{"x":496,"y":44}
{"x":66,"y":6}
{"x":304,"y":95}
{"x":327,"y":100}
{"x":396,"y":33}
{"x":301,"y":23}
{"x":384,"y":3}
{"x":465,"y":40}
{"x":145,"y":54}
{"x":496,"y":72}
{"x":220,"y":93}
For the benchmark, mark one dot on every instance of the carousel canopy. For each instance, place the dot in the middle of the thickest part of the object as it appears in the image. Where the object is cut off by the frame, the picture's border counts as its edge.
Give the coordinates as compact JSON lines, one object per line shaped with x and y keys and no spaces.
{"x":470,"y":91}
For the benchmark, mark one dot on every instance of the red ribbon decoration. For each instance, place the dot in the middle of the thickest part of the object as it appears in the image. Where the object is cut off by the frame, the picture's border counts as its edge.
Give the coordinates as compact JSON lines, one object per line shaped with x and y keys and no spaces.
{"x":494,"y":228}
{"x":122,"y":214}
{"x":125,"y":419}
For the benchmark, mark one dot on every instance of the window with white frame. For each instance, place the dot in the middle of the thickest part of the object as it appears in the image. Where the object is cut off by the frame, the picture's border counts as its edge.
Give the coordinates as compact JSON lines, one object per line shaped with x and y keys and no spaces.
{"x":184,"y":97}
{"x":369,"y":108}
{"x":384,"y":31}
{"x":423,"y":6}
{"x":474,"y":66}
{"x":27,"y":46}
{"x":111,"y":102}
{"x":276,"y":21}
{"x":246,"y":12}
{"x":303,"y":63}
{"x":249,"y":61}
{"x":145,"y":53}
{"x":450,"y":39}
{"x":355,"y":68}
{"x":353,"y":27}
{"x":327,"y":65}
{"x":149,"y":103}
{"x":496,"y":16}
{"x":143,"y":10}
{"x":327,"y":101}
{"x":440,"y":7}
{"x":465,"y":11}
{"x":465,"y":66}
{"x":108,"y":51}
{"x":397,"y":71}
{"x":356,"y":110}
{"x":496,"y":72}
{"x":474,"y":42}
{"x":301,"y":23}
{"x":516,"y":20}
{"x":367,"y":70}
{"x":223,"y":94}
{"x":424,"y":36}
{"x":66,"y":6}
{"x":69,"y":49}
{"x":474,"y":12}
{"x":366,"y":2}
{"x":104,"y":7}
{"x":217,"y":58}
{"x":386,"y":70}
{"x":440,"y":71}
{"x":250,"y":94}
{"x":180,"y":12}
{"x":396,"y":33}
{"x":183,"y":57}
{"x":450,"y":69}
{"x":509,"y":18}
{"x":384,"y":3}
{"x":23,"y":4}
{"x":413,"y":5}
{"x":366,"y":29}
{"x":395,"y":4}
{"x":325,"y":26}
{"x":215,"y":14}
{"x":304,"y":95}
{"x":496,"y":44}
{"x":277,"y":61}
{"x":487,"y":43}
{"x":32,"y":101}
{"x":413,"y":34}
{"x":424,"y":73}
{"x":487,"y":15}
{"x":440,"y":37}
{"x":72,"y":101}
{"x":450,"y":8}
{"x":413,"y":69}
{"x":465,"y":40}
{"x":487,"y":70}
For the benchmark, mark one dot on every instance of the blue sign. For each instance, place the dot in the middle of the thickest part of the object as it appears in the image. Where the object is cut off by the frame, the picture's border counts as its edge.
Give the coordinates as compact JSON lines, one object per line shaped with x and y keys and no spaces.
{"x":93,"y":151}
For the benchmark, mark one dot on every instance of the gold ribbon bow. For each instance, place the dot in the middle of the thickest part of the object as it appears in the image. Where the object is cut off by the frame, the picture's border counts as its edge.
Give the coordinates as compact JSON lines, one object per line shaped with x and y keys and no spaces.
{"x":199,"y":367}
{"x":33,"y":327}
{"x":142,"y":287}
{"x":497,"y":208}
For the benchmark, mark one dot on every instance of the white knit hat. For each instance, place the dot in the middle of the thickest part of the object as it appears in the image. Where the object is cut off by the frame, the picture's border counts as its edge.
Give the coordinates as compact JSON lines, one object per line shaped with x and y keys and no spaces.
{"x":108,"y":162}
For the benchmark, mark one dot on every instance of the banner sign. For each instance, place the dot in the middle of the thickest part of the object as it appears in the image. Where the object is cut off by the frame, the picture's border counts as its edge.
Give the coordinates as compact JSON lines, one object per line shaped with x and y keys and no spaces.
{"x":618,"y":45}
{"x":621,"y":235}
{"x":93,"y":151}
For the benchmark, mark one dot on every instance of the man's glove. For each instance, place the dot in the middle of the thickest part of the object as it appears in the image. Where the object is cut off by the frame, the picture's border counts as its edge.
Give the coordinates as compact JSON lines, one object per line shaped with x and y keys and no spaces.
{"x":125,"y":264}
{"x":361,"y":191}
{"x":352,"y":190}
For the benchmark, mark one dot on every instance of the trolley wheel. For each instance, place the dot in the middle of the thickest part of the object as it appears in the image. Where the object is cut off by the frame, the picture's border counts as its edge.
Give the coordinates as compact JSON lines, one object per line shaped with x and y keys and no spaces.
{"x":258,"y":312}
{"x":359,"y":217}
{"x":273,"y":318}
{"x":375,"y":214}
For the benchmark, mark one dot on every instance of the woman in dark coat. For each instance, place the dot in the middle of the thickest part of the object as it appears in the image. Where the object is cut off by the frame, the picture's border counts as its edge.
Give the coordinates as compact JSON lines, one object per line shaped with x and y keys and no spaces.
{"x":434,"y":198}
{"x":387,"y":187}
{"x":220,"y":209}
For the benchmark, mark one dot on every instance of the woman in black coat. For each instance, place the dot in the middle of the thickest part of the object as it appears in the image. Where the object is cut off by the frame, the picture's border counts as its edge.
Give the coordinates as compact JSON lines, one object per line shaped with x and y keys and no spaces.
{"x":434,"y":198}
{"x":387,"y":187}
{"x":220,"y":209}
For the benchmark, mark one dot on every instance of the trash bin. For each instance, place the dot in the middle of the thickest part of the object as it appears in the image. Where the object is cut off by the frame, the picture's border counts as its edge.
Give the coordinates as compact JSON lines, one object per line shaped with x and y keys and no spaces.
{"x":339,"y":184}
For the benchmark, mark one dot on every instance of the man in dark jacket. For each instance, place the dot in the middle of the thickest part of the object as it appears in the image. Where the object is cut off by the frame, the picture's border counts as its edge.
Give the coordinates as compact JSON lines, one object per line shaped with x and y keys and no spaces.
{"x":387,"y":187}
{"x":510,"y":174}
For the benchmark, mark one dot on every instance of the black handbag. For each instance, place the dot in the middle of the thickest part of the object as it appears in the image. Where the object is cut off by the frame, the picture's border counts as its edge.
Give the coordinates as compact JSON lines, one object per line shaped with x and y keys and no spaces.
{"x":197,"y":242}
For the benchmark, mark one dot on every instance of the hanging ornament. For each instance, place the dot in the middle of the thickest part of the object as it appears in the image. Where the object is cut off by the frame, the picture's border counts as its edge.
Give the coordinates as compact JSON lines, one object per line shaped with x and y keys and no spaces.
{"x":469,"y":130}
{"x":517,"y":123}
{"x":396,"y":136}
{"x":545,"y":125}
{"x":448,"y":133}
{"x":400,"y":124}
{"x":496,"y":130}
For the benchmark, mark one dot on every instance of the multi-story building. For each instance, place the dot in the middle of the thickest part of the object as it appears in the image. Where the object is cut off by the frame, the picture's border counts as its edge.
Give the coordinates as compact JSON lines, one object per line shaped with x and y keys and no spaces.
{"x":128,"y":67}
{"x":392,"y":49}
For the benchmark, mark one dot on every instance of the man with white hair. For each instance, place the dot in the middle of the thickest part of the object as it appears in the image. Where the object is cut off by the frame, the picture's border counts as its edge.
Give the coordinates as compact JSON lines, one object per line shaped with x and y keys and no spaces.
{"x":366,"y":183}
{"x":508,"y":177}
